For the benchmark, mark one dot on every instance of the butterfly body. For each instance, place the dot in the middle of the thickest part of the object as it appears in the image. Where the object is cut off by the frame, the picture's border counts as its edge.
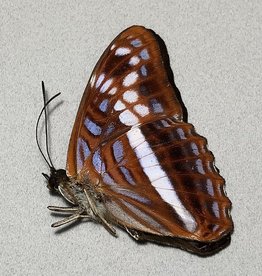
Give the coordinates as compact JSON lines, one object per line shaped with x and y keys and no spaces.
{"x":134,"y":162}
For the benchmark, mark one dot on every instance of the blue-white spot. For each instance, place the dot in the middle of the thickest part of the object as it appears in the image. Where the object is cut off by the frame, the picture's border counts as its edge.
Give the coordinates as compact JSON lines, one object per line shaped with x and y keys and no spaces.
{"x":92,"y":127}
{"x":215,"y":209}
{"x":99,"y":80}
{"x":104,"y":105}
{"x":83,"y":145}
{"x":210,"y":188}
{"x":194,"y":148}
{"x":181,"y":133}
{"x":79,"y":158}
{"x":136,"y":42}
{"x":199,"y":166}
{"x":106,"y":85}
{"x":83,"y":152}
{"x":157,"y":107}
{"x":143,"y":70}
{"x":110,"y":128}
{"x":108,"y":179}
{"x":118,"y":150}
{"x":127,"y":175}
{"x":98,"y":163}
{"x":144,"y":54}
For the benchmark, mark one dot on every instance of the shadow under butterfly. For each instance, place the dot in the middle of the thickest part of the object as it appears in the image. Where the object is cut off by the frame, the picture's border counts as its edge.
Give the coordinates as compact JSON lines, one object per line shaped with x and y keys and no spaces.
{"x":133,"y":160}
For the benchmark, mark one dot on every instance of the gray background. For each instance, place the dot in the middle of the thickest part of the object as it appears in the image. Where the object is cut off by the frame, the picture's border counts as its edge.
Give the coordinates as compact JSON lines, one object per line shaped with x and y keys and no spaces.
{"x":215,"y":53}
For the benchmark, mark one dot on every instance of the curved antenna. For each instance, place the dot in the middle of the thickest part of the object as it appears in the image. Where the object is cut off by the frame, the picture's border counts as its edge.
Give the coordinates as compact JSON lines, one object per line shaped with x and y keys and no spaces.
{"x":37,"y":124}
{"x":46,"y":137}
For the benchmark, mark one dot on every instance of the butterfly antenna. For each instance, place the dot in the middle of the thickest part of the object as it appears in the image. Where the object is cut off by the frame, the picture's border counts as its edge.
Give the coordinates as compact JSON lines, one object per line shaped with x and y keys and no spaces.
{"x":46,"y":136}
{"x":37,"y":124}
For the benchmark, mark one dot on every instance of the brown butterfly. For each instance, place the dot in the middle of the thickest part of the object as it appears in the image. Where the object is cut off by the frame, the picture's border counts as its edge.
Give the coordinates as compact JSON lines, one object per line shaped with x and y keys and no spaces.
{"x":134,"y":162}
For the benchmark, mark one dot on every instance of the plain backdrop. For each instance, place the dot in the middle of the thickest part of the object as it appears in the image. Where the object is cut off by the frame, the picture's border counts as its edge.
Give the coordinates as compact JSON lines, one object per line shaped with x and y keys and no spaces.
{"x":216,"y":56}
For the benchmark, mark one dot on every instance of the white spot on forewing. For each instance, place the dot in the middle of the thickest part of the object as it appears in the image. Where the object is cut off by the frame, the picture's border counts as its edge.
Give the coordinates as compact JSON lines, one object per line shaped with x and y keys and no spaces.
{"x":144,"y":54}
{"x":113,"y":47}
{"x":130,"y":96}
{"x":136,"y":42}
{"x":157,"y":107}
{"x":106,"y":85}
{"x":99,"y":80}
{"x":112,"y":91}
{"x":134,"y":60}
{"x":122,"y":51}
{"x":141,"y":109}
{"x":92,"y":81}
{"x":130,"y":79}
{"x":128,"y":118}
{"x":143,"y":70}
{"x":163,"y":185}
{"x":119,"y":105}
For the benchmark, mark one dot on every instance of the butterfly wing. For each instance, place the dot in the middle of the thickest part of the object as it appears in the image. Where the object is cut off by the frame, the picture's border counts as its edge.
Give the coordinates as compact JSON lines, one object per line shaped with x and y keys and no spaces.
{"x":160,"y":176}
{"x":129,"y":72}
{"x":155,"y":172}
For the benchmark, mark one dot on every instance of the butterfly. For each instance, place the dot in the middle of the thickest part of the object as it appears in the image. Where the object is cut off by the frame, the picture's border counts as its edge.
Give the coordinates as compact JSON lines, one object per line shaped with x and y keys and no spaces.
{"x":134,"y":162}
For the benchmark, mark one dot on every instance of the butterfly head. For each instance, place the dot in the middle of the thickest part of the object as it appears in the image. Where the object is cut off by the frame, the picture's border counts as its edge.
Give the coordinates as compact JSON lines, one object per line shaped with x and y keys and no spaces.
{"x":55,"y":179}
{"x":59,"y":182}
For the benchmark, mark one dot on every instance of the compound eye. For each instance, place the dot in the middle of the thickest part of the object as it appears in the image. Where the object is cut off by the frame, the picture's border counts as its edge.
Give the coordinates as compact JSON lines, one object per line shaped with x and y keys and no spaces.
{"x":53,"y":184}
{"x":55,"y":179}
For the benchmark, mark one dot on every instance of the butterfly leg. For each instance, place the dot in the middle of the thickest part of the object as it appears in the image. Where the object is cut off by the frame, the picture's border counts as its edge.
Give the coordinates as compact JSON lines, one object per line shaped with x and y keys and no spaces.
{"x":94,"y":209}
{"x":76,"y":214}
{"x":71,"y":218}
{"x":63,"y":209}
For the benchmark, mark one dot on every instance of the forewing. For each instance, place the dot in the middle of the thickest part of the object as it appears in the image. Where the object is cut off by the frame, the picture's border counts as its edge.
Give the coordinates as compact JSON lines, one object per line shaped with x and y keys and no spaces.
{"x":129,"y":86}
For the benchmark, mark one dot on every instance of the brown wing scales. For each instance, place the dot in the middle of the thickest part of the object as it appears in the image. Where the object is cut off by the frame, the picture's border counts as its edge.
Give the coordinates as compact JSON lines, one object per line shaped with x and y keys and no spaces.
{"x":154,"y":170}
{"x":137,"y":75}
